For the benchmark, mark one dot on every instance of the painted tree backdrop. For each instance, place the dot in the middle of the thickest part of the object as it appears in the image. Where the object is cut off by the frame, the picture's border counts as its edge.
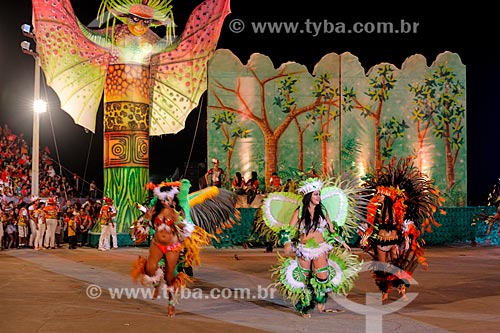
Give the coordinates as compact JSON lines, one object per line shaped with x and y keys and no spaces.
{"x":266,"y":119}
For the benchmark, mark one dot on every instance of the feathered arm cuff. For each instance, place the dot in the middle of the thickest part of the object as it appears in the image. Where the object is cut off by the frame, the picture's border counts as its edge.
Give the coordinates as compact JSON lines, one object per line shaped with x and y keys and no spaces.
{"x":188,"y":228}
{"x":332,"y":237}
{"x":284,"y":236}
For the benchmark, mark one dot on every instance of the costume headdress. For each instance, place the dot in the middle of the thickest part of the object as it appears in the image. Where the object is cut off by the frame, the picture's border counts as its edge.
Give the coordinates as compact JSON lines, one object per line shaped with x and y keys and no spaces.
{"x":387,"y":191}
{"x":169,"y":192}
{"x":310,"y":185}
{"x":212,"y":208}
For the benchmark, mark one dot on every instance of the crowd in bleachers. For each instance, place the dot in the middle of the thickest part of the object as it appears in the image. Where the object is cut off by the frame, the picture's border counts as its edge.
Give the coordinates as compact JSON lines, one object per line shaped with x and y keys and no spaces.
{"x":18,"y":207}
{"x":15,"y":170}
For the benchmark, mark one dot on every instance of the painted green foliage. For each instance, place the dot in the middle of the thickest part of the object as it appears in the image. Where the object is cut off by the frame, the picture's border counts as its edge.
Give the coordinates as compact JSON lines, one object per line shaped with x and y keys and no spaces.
{"x":288,"y":120}
{"x":224,"y":122}
{"x":438,"y":108}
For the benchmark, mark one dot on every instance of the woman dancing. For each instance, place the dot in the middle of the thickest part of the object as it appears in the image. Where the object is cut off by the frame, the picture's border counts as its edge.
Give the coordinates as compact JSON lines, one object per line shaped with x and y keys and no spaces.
{"x":177,"y":240}
{"x":323,"y":262}
{"x":402,"y":208}
{"x":385,"y":220}
{"x":170,"y":231}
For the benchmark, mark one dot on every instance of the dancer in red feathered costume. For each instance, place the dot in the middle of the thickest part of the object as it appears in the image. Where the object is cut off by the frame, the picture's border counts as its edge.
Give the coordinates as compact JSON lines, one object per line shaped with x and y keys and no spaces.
{"x":399,"y":213}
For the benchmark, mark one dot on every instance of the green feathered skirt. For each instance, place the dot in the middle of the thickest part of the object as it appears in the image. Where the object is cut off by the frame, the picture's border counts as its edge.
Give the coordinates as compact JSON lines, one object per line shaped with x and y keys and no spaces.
{"x":305,"y":291}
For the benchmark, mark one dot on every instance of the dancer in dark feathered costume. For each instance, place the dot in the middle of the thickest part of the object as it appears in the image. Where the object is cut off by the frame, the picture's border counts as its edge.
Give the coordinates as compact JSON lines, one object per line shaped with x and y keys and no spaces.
{"x":399,"y":213}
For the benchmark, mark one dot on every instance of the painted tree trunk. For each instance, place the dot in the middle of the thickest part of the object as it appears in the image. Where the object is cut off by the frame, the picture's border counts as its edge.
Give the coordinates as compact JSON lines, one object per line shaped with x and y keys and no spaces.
{"x":271,"y":155}
{"x":229,"y":178}
{"x":450,"y":165}
{"x":301,"y":151}
{"x":324,"y":156}
{"x":376,"y":123}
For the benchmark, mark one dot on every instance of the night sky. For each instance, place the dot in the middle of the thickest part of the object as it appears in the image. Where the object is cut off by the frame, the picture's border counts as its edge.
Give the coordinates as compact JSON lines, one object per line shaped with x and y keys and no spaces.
{"x":440,"y":29}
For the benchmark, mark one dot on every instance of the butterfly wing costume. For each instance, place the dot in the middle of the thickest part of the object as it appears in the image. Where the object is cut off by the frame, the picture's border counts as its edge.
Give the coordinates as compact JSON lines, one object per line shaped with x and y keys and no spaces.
{"x":344,"y":203}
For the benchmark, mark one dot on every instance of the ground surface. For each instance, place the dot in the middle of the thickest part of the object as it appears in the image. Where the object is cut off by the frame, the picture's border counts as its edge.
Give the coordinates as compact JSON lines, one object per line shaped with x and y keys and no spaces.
{"x":75,"y":290}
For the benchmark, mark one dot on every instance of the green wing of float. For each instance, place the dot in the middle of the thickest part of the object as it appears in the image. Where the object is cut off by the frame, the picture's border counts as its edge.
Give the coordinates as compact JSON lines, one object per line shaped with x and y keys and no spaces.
{"x":73,"y":58}
{"x":278,"y":208}
{"x":179,"y":76}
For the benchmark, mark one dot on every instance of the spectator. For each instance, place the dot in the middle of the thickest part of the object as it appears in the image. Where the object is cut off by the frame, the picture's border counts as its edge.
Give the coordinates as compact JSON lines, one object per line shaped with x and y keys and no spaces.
{"x":33,"y":220}
{"x":3,"y":221}
{"x":12,"y":214}
{"x":52,"y":219}
{"x":72,"y":229}
{"x":59,"y":231}
{"x":275,"y":182}
{"x":93,"y":190}
{"x":41,"y":225}
{"x":289,"y":186}
{"x":238,"y":184}
{"x":112,"y":229}
{"x":85,"y":226}
{"x":106,"y":219}
{"x":22,"y":224}
{"x":11,"y":231}
{"x":51,"y":172}
{"x":215,"y":176}
{"x":252,"y":188}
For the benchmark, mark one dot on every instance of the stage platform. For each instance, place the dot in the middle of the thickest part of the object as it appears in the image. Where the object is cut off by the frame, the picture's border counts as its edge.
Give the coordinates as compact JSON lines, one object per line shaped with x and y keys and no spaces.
{"x":66,"y":290}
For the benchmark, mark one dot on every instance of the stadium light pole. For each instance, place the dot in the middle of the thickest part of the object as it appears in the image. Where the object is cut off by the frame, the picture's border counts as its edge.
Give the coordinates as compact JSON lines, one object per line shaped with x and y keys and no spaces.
{"x":39,"y":106}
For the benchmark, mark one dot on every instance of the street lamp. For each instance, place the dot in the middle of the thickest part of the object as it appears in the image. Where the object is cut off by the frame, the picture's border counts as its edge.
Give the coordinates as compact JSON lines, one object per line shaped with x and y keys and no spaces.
{"x":39,"y":106}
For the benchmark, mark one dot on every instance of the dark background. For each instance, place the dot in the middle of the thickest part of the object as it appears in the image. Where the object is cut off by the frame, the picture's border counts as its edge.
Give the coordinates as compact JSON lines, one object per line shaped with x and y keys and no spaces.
{"x":472,"y":32}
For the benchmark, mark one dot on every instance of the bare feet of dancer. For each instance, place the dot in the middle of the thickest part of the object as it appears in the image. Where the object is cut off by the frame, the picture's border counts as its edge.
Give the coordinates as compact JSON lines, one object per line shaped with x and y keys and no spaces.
{"x":171,"y":310}
{"x":306,"y":315}
{"x":402,"y":292}
{"x":171,"y":301}
{"x":385,"y":296}
{"x":322,"y":308}
{"x":156,"y":292}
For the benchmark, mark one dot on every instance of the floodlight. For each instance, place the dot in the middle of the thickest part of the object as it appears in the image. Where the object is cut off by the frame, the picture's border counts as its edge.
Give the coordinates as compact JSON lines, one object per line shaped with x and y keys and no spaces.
{"x":27,"y":30}
{"x":26,"y":48}
{"x":25,"y":45}
{"x":40,"y":106}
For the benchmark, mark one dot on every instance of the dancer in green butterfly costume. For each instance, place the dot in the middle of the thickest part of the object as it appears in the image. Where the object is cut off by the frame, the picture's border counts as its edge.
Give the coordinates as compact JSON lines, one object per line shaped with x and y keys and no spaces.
{"x":313,"y":225}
